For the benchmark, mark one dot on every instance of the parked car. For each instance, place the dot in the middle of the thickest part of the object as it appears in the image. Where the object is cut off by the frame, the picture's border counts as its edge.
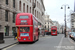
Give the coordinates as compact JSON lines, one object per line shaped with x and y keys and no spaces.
{"x":48,"y":33}
{"x":69,"y":33}
{"x":72,"y":35}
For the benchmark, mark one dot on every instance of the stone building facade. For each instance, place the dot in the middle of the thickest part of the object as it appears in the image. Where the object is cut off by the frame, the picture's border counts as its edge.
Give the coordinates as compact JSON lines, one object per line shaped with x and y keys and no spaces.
{"x":9,"y":9}
{"x":73,"y":21}
{"x":48,"y":23}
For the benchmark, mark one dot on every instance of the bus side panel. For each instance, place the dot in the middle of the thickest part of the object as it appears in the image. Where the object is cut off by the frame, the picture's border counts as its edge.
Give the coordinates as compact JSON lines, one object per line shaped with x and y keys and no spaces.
{"x":35,"y":29}
{"x":31,"y":34}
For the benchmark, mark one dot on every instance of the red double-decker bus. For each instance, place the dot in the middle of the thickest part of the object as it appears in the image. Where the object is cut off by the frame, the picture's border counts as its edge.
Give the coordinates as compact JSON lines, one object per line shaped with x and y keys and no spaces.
{"x":53,"y":30}
{"x":27,"y":27}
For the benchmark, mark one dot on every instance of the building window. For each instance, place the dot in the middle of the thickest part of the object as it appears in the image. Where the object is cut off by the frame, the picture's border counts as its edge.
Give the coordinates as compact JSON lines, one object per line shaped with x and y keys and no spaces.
{"x":45,"y":22}
{"x":35,"y":1}
{"x":45,"y":26}
{"x":13,"y":30}
{"x":72,"y":19}
{"x":30,"y":9}
{"x":7,"y":2}
{"x":37,"y":4}
{"x":72,"y":26}
{"x":13,"y":17}
{"x":6,"y":15}
{"x":48,"y":29}
{"x":35,"y":13}
{"x":6,"y":30}
{"x":48,"y":22}
{"x":39,"y":14}
{"x":30,"y":0}
{"x":48,"y":26}
{"x":14,"y":3}
{"x":20,"y":5}
{"x":0,"y":27}
{"x":27,"y":8}
{"x":23,"y":7}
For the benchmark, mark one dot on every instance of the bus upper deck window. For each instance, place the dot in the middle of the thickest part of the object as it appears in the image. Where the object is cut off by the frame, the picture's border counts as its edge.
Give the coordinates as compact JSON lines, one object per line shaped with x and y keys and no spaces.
{"x":23,"y":17}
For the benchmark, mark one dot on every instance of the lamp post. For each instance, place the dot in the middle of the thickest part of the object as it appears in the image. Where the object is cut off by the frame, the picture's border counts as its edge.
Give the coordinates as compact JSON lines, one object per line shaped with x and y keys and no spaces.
{"x":66,"y":5}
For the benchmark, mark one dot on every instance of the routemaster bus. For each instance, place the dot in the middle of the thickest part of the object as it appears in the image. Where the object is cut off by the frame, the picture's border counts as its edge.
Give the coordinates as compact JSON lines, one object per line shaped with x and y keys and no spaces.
{"x":27,"y":27}
{"x":53,"y":30}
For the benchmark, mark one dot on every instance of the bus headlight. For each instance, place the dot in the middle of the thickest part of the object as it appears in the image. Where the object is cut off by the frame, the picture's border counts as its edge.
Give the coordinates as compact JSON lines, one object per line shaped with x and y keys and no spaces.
{"x":19,"y":37}
{"x":29,"y":38}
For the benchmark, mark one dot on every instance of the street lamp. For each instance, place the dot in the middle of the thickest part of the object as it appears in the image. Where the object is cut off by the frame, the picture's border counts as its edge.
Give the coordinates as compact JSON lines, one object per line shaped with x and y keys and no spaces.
{"x":66,"y":5}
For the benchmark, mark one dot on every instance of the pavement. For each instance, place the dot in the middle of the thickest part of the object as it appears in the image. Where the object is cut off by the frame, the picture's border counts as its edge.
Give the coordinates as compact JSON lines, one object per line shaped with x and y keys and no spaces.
{"x":7,"y":42}
{"x":67,"y":44}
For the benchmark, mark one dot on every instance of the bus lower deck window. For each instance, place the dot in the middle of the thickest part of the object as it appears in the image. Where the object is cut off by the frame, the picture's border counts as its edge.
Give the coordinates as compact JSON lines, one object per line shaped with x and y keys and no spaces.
{"x":24,"y":29}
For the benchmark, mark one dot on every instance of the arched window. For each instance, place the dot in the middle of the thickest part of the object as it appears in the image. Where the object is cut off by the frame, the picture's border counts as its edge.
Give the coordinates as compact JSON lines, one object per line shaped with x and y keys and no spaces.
{"x":14,"y":3}
{"x":6,"y":15}
{"x":45,"y":26}
{"x":30,"y":9}
{"x":37,"y":4}
{"x":30,"y":0}
{"x":35,"y":13}
{"x":7,"y":2}
{"x":35,"y":1}
{"x":27,"y":8}
{"x":20,"y":5}
{"x":23,"y":7}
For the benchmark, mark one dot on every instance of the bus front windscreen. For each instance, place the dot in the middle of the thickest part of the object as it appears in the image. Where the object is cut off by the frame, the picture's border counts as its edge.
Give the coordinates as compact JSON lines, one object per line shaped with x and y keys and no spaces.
{"x":24,"y":29}
{"x":53,"y":30}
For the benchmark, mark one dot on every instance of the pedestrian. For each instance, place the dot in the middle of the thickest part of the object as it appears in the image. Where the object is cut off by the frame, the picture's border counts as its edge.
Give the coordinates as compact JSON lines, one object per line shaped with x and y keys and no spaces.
{"x":15,"y":35}
{"x":65,"y":32}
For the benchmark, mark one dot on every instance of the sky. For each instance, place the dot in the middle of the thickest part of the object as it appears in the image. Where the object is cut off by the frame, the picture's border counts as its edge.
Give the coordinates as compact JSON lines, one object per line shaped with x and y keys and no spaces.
{"x":53,"y":8}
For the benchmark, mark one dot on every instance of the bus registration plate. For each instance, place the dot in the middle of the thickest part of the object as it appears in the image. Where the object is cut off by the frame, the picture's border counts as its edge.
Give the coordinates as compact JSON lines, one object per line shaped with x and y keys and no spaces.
{"x":53,"y":33}
{"x":23,"y":20}
{"x":24,"y":34}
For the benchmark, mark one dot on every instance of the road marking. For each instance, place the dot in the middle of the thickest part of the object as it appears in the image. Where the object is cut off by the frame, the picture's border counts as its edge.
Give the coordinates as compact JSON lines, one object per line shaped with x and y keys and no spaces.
{"x":71,"y":41}
{"x":9,"y":47}
{"x":60,"y":44}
